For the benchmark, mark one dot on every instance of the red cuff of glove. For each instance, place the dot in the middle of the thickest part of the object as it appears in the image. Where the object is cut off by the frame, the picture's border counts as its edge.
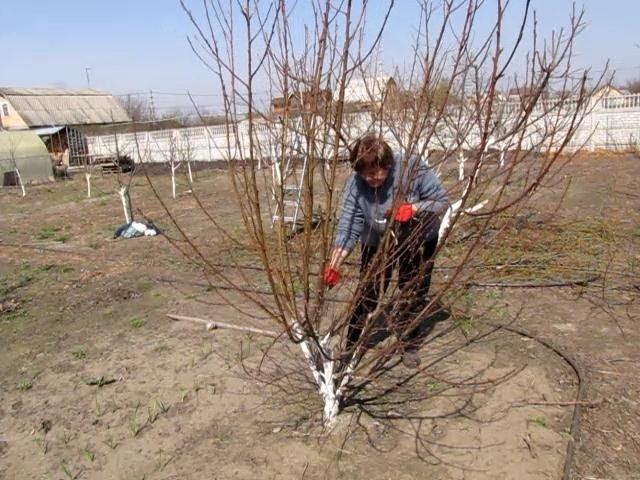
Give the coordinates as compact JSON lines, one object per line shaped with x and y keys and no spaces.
{"x":404,"y":213}
{"x":331,"y":276}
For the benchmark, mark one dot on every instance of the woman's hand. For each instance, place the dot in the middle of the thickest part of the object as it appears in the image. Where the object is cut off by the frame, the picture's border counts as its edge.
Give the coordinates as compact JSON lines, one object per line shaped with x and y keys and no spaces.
{"x":331,"y":275}
{"x":405,"y":212}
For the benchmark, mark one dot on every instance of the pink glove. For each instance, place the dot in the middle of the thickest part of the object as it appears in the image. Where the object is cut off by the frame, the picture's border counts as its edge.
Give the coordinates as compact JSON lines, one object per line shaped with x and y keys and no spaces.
{"x":331,"y":276}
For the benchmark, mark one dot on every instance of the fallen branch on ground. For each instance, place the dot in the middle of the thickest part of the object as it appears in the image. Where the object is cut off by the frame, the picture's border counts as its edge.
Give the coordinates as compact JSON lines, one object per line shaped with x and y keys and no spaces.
{"x":562,"y":283}
{"x":213,"y":324}
{"x":586,"y":404}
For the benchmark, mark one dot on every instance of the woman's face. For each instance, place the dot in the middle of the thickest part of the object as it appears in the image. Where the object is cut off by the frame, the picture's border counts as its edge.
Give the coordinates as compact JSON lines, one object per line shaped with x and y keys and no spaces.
{"x":374,"y":175}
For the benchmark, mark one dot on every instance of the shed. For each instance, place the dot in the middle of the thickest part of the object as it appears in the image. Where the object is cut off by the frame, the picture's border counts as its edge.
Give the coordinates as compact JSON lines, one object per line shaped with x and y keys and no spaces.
{"x":368,"y":92}
{"x":368,"y":89}
{"x":26,"y":151}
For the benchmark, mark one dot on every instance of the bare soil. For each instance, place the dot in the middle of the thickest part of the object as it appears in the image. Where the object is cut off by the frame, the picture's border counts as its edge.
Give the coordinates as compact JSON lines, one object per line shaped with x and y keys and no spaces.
{"x":96,"y":381}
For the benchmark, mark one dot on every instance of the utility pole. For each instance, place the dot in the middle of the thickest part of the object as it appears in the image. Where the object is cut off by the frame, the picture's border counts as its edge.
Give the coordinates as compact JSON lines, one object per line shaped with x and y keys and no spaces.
{"x":86,"y":71}
{"x":152,"y":107}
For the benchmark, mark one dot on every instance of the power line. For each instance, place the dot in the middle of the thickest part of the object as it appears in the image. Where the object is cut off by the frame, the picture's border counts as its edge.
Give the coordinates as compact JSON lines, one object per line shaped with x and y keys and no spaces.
{"x":183,"y":94}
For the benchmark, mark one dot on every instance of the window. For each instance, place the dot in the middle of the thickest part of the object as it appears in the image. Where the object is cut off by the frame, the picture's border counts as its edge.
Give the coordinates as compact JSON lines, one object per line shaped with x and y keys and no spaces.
{"x":5,"y":110}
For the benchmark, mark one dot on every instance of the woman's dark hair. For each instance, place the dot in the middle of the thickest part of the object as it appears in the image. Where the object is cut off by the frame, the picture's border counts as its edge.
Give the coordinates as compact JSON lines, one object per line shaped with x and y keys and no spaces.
{"x":370,"y":151}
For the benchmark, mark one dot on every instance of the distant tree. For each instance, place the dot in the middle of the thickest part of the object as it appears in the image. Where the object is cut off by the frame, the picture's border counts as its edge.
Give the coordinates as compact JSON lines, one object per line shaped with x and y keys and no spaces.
{"x":213,"y":119}
{"x":137,"y":107}
{"x":633,"y":85}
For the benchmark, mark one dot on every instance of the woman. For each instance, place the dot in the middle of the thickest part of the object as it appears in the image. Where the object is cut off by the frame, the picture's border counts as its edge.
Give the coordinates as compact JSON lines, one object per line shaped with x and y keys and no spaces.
{"x":386,"y":192}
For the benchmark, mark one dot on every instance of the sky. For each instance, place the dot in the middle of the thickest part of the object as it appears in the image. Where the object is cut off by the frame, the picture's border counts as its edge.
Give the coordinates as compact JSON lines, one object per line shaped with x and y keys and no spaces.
{"x":137,"y":46}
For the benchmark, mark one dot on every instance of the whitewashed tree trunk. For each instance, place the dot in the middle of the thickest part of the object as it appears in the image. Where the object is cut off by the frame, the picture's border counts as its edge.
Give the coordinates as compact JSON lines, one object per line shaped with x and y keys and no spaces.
{"x":461,"y":160}
{"x":126,"y":203}
{"x":87,"y":177}
{"x":321,"y":361}
{"x":189,"y":171}
{"x":277,"y":173}
{"x":24,"y":192}
{"x":501,"y":161}
{"x":445,"y":225}
{"x":174,"y":167}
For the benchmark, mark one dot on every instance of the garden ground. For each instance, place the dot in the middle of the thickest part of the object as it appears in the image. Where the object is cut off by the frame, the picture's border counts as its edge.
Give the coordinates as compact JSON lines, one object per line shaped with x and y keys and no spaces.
{"x":96,"y":382}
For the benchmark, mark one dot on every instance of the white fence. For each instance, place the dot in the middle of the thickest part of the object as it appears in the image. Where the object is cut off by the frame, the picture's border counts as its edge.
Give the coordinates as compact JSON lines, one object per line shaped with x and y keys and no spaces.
{"x":193,"y":144}
{"x":610,"y":123}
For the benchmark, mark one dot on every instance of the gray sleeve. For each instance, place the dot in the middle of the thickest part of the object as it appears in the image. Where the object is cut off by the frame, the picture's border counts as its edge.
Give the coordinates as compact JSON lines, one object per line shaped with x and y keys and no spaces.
{"x":351,"y":221}
{"x":432,"y":197}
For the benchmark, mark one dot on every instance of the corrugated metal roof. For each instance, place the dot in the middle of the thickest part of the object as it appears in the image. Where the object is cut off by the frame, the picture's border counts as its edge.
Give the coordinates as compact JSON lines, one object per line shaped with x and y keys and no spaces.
{"x":46,"y":130}
{"x":50,"y":91}
{"x":40,"y":107}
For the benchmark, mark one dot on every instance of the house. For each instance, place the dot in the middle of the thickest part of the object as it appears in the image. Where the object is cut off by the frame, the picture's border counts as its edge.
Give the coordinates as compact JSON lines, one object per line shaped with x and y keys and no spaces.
{"x":608,"y":91}
{"x":278,"y":106}
{"x":303,"y":101}
{"x":360,"y":94}
{"x":368,"y":93}
{"x":47,"y":107}
{"x":610,"y":97}
{"x":433,"y":96}
{"x":524,"y":94}
{"x":58,"y":117}
{"x":10,"y":119}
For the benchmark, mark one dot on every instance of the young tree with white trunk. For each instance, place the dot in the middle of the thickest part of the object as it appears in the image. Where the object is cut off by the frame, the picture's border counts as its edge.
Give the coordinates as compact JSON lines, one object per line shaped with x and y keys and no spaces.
{"x":253,"y":46}
{"x":13,"y":165}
